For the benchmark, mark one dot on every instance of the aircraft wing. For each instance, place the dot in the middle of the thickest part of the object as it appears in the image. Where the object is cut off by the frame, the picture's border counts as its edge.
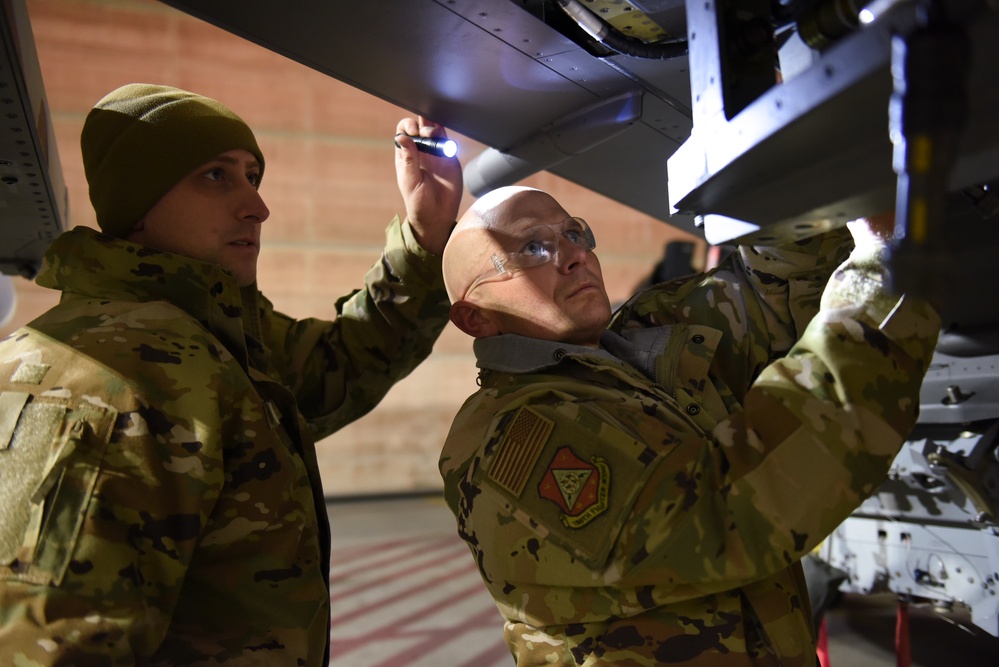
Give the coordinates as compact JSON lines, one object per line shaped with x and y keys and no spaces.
{"x":745,"y":120}
{"x":520,"y":77}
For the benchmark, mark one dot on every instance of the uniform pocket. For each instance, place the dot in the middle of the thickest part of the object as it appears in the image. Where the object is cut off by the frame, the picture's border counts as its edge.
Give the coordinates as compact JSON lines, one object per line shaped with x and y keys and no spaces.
{"x":50,"y":458}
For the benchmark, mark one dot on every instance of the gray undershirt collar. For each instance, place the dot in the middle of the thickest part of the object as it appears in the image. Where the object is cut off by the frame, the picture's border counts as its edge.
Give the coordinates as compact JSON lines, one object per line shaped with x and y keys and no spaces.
{"x":510,"y":353}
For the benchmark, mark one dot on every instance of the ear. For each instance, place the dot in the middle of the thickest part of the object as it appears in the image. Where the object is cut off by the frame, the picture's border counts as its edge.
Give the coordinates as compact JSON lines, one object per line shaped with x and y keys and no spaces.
{"x":137,"y":227}
{"x":472,"y":319}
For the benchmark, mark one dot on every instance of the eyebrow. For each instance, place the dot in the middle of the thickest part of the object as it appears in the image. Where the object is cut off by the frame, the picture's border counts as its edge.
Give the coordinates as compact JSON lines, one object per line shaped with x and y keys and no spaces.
{"x":233,"y":161}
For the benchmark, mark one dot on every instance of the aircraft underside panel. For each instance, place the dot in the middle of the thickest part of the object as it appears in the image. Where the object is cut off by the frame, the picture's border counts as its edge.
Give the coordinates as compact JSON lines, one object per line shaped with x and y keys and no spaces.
{"x":33,"y":198}
{"x":944,"y":564}
{"x":496,"y":71}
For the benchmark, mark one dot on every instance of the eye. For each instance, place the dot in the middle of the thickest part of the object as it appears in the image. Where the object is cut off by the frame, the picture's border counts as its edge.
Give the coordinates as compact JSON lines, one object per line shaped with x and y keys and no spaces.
{"x":536,"y":251}
{"x":254,"y":179}
{"x":579,"y":235}
{"x":215,"y":174}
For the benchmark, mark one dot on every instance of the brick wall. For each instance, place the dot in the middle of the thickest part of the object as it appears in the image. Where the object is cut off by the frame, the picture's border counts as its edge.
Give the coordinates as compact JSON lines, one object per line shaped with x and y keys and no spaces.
{"x":330,"y":186}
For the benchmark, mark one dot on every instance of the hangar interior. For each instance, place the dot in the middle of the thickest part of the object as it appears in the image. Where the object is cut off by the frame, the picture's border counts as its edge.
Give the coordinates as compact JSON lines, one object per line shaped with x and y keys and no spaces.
{"x":740,"y":121}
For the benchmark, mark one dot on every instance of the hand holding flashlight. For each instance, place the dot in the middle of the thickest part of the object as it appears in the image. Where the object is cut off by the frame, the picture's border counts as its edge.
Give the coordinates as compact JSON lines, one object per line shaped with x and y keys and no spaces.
{"x":439,"y":146}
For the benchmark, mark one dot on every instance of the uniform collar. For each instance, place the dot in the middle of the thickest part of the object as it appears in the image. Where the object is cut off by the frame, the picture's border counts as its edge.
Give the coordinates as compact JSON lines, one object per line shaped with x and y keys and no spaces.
{"x":92,"y":264}
{"x":510,"y":353}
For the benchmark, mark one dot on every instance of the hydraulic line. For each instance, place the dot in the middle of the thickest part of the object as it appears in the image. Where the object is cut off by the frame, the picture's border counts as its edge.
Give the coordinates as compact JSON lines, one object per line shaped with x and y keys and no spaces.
{"x":604,"y":33}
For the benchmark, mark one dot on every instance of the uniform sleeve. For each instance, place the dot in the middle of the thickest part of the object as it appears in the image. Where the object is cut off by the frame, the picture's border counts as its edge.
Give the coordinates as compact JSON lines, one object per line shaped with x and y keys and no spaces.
{"x":340,"y":370}
{"x":639,"y":498}
{"x":134,"y":510}
{"x":817,"y":434}
{"x":106,"y":507}
{"x":788,"y":281}
{"x":760,"y":298}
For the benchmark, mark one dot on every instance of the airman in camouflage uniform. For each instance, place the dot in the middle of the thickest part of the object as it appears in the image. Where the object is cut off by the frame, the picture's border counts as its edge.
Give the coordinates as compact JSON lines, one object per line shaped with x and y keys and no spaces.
{"x":642,"y":495}
{"x":160,"y":500}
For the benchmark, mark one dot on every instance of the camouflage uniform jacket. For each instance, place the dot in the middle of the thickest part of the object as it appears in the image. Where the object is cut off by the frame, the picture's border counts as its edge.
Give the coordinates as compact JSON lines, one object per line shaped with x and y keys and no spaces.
{"x":647,"y":503}
{"x":161,"y":500}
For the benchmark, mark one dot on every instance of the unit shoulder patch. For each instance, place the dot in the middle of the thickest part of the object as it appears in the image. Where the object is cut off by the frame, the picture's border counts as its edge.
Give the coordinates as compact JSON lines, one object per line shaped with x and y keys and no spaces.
{"x":580,"y":488}
{"x":550,"y":465}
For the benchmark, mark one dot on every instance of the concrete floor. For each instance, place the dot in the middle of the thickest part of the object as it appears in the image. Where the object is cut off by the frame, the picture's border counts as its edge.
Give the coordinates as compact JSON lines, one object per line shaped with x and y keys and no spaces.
{"x":404,"y":591}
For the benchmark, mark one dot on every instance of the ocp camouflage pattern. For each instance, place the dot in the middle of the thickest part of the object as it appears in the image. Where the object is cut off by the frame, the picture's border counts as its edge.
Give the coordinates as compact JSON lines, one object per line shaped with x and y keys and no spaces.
{"x":654,"y":512}
{"x":160,"y":500}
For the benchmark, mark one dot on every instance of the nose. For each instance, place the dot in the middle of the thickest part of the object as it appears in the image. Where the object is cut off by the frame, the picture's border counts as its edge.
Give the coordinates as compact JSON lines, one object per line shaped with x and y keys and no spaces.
{"x":570,"y":256}
{"x":254,"y":208}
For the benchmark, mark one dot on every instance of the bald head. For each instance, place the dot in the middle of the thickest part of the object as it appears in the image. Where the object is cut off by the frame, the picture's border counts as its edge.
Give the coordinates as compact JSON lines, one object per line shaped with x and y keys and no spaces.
{"x":487,"y":227}
{"x":539,"y":275}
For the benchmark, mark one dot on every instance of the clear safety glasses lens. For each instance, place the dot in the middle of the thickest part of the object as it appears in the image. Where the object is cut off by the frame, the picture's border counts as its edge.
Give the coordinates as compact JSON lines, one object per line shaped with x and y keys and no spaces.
{"x":537,"y":246}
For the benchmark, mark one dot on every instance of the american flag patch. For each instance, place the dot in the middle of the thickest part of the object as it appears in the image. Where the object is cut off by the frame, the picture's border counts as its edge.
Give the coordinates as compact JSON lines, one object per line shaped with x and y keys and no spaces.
{"x":519,"y":450}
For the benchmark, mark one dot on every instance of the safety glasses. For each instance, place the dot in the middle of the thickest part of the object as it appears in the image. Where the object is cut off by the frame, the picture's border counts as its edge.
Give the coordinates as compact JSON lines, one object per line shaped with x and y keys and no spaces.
{"x":534,"y":247}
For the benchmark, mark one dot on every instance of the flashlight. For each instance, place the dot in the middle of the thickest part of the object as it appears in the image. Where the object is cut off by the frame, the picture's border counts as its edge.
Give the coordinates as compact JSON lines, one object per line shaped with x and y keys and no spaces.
{"x":438,"y":146}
